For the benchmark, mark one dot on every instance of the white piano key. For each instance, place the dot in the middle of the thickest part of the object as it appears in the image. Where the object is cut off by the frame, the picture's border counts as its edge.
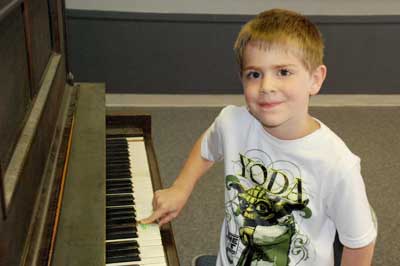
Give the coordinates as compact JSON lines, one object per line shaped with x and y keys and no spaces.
{"x":141,"y":241}
{"x":151,"y":252}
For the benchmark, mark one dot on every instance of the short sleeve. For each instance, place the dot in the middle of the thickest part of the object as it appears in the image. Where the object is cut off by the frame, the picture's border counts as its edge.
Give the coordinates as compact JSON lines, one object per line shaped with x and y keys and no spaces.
{"x":212,"y":144}
{"x":348,"y":207}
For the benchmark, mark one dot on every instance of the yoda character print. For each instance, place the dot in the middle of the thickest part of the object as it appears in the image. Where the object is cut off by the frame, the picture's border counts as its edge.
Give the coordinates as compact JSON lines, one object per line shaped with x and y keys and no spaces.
{"x":264,"y":194}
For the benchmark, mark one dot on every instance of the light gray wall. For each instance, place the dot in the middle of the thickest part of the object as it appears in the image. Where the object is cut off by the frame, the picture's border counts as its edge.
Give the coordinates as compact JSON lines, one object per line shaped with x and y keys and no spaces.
{"x":307,"y":7}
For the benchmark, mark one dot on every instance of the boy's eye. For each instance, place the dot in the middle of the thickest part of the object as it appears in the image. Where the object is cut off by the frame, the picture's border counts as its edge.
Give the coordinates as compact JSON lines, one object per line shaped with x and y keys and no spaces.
{"x":284,"y":72}
{"x":253,"y":75}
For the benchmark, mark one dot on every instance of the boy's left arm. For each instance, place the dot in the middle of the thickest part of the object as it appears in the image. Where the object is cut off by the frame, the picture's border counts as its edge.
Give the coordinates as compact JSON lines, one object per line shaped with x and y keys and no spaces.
{"x":358,"y":256}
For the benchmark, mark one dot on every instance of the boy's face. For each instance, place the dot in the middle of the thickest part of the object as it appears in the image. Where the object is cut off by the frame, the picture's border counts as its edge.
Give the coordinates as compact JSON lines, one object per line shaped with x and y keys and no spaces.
{"x":277,"y":88}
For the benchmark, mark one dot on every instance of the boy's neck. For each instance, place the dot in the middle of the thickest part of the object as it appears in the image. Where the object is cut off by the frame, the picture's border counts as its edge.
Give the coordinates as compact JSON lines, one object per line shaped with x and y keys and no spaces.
{"x":309,"y":126}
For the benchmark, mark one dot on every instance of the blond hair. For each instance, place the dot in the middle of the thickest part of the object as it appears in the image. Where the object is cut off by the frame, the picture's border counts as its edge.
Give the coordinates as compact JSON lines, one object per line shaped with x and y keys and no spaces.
{"x":283,"y":27}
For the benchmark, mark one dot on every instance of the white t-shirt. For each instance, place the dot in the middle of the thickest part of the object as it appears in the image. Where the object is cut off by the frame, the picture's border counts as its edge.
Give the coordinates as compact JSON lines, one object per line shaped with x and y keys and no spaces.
{"x":285,"y":199}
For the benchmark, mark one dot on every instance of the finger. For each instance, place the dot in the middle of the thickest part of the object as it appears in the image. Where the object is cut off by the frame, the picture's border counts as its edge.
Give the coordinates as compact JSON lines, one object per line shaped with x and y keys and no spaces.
{"x":167,"y":218}
{"x":153,"y":217}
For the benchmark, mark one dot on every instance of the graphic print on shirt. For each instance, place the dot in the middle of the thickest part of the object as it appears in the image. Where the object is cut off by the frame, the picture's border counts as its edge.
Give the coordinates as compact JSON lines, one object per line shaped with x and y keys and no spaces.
{"x":264,"y":196}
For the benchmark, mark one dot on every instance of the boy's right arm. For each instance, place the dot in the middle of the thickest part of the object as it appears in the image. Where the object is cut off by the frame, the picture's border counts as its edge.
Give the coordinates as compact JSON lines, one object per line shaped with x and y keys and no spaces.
{"x":168,"y":203}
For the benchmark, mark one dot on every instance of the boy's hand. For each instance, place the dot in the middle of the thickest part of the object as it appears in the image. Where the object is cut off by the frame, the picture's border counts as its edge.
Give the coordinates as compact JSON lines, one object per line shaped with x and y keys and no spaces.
{"x":167,"y":204}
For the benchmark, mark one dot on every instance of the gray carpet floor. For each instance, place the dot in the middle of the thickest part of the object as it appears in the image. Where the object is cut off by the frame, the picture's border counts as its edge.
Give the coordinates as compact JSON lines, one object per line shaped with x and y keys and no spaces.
{"x":371,"y":132}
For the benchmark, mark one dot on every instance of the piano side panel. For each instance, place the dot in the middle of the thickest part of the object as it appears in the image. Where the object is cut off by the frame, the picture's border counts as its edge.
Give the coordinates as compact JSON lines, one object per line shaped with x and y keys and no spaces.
{"x":14,"y":230}
{"x":14,"y":80}
{"x":81,"y":230}
{"x":17,"y":97}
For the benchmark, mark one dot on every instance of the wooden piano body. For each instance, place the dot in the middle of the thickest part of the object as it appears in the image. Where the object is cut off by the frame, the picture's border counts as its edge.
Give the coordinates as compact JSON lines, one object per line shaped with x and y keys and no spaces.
{"x":37,"y":106}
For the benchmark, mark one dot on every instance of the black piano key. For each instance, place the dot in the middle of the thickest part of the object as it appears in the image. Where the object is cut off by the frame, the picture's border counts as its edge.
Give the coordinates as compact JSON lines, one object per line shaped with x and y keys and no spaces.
{"x":115,"y":160}
{"x":117,"y":154}
{"x":122,"y":252}
{"x":120,"y":214}
{"x":119,"y":185}
{"x":120,"y":210}
{"x":119,"y":165}
{"x":123,"y":175}
{"x":115,"y":228}
{"x":117,"y":252}
{"x":117,"y":171}
{"x":119,"y":200}
{"x":116,"y":182}
{"x":119,"y":148}
{"x":120,"y":231}
{"x":121,"y":220}
{"x":120,"y":197}
{"x":116,"y":146}
{"x":121,"y":245}
{"x":118,"y":190}
{"x":115,"y":150}
{"x":121,"y":235}
{"x":123,"y":258}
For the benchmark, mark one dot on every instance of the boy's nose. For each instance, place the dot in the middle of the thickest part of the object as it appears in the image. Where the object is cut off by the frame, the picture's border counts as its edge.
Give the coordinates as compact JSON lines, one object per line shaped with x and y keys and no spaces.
{"x":267,"y":85}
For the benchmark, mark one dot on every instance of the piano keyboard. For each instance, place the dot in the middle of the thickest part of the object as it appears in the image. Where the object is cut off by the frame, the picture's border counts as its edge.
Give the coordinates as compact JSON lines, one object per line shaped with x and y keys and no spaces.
{"x":129,"y":194}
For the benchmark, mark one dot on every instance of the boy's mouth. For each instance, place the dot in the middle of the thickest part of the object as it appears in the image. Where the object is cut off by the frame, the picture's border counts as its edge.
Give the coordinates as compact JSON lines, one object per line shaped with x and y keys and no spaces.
{"x":269,"y":105}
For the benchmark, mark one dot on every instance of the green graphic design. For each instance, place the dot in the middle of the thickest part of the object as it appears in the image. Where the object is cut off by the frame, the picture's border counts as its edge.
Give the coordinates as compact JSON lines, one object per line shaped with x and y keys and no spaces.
{"x":267,"y":207}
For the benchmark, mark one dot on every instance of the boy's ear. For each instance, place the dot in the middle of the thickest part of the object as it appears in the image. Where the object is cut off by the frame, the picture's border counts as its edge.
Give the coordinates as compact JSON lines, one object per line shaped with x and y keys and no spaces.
{"x":318,"y":77}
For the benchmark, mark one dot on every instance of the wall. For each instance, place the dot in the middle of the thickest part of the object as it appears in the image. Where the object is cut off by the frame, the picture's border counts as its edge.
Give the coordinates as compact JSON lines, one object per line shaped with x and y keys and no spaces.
{"x":308,"y":7}
{"x":134,"y":52}
{"x":176,"y":46}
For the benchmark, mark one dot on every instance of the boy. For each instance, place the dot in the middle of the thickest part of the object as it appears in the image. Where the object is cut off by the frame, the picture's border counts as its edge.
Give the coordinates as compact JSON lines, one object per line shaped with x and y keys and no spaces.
{"x":291,"y":183}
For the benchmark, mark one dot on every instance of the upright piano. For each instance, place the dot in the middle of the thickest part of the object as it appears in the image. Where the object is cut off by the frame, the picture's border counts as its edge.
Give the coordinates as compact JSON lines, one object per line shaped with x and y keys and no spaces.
{"x":105,"y":175}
